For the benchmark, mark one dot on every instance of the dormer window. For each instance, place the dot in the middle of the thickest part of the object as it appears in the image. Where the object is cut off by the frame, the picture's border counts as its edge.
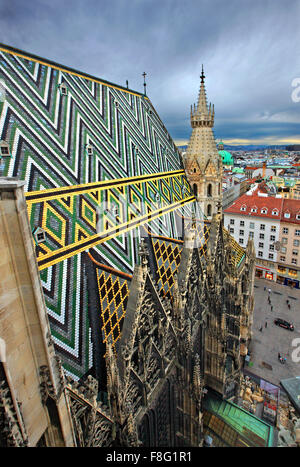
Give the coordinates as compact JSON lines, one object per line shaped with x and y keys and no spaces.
{"x":243,"y":207}
{"x":4,"y":149}
{"x":287,"y":215}
{"x":63,"y":89}
{"x":89,"y":149}
{"x":274,"y":212}
{"x":195,"y":170}
{"x":298,"y":216}
{"x":117,"y":104}
{"x":264,"y":211}
{"x":39,"y":235}
{"x":254,"y":209}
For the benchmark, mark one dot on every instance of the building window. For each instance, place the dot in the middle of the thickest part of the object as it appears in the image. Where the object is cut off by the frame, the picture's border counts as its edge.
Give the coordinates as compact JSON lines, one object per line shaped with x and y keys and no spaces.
{"x":241,"y":232}
{"x":294,"y":261}
{"x":261,"y":245}
{"x":209,"y":210}
{"x":260,"y":254}
{"x":282,"y":258}
{"x":297,"y":233}
{"x":4,"y":149}
{"x":272,"y":238}
{"x":284,"y":240}
{"x":292,"y":272}
{"x":242,"y":223}
{"x":251,"y":234}
{"x":296,"y":242}
{"x":295,"y":252}
{"x":63,"y":89}
{"x":287,"y":215}
{"x":241,"y":240}
{"x":209,"y":190}
{"x":195,"y":189}
{"x":271,"y":256}
{"x":285,"y":230}
{"x":232,"y":221}
{"x":89,"y":149}
{"x":262,"y":226}
{"x":231,"y":230}
{"x":271,"y":247}
{"x":262,"y":236}
{"x":283,"y":249}
{"x":251,"y":226}
{"x":273,"y":228}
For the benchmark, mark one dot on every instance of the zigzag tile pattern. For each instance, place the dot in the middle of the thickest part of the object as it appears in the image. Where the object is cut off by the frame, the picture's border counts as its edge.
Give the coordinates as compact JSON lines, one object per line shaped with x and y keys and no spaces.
{"x":48,"y":133}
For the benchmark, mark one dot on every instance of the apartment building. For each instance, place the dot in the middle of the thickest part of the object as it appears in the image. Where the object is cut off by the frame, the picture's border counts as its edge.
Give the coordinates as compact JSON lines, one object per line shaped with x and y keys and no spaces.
{"x":289,"y":256}
{"x":256,"y":216}
{"x":273,"y":223}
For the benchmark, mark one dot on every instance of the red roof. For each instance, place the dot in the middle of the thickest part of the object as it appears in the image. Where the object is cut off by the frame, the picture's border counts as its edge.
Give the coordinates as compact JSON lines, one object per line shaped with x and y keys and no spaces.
{"x":292,"y":207}
{"x":264,"y":206}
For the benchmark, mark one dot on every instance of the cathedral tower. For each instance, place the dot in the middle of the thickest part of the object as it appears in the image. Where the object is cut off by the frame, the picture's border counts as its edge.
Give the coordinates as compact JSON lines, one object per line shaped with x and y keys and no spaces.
{"x":202,"y":162}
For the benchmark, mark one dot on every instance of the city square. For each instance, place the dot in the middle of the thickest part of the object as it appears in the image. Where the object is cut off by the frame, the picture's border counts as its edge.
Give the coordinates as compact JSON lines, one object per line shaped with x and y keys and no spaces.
{"x":272,"y":339}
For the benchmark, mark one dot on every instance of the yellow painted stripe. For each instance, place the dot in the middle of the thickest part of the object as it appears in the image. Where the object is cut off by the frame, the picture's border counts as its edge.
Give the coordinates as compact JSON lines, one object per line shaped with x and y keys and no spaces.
{"x":87,"y":186}
{"x":143,"y":220}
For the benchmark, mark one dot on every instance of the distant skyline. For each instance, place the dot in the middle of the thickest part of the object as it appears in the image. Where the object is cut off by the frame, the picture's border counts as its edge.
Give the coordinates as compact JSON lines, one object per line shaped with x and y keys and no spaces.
{"x":250,"y":52}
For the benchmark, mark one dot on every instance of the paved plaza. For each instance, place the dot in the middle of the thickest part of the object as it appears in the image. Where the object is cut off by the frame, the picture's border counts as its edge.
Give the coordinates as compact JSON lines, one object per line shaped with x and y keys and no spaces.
{"x":273,"y":339}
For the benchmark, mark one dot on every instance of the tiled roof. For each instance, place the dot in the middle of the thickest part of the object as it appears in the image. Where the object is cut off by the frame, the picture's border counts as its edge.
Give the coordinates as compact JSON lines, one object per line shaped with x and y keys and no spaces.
{"x":291,"y":206}
{"x":264,"y":206}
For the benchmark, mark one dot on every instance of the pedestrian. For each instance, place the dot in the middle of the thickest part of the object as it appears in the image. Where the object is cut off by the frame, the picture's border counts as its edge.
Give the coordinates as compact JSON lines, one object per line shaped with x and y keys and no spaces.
{"x":279,"y":356}
{"x":266,"y":324}
{"x":289,"y":306}
{"x":269,"y":291}
{"x":260,"y":329}
{"x":287,"y":302}
{"x":271,"y":307}
{"x":265,"y":288}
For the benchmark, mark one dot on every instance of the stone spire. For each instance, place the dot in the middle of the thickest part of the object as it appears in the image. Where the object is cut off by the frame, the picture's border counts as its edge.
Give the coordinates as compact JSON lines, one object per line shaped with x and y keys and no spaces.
{"x":202,"y":161}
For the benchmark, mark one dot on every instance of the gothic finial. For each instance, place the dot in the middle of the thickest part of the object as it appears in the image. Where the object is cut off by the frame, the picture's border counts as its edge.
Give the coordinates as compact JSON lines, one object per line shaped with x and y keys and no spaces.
{"x":202,"y":76}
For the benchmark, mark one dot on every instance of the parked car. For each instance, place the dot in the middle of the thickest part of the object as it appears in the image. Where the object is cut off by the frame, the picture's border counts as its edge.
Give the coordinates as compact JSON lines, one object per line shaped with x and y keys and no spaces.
{"x":284,"y":324}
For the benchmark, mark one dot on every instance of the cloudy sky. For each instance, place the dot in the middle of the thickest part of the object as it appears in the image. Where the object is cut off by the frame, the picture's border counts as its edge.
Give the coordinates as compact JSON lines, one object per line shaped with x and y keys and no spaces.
{"x":250,"y":50}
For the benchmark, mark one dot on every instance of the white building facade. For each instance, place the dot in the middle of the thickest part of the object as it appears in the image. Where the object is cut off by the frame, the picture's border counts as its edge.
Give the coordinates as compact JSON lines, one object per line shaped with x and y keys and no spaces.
{"x":256,"y":216}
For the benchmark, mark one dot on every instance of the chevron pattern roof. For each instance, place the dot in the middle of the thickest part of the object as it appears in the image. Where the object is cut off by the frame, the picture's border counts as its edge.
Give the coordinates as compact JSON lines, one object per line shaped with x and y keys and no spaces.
{"x":71,"y":136}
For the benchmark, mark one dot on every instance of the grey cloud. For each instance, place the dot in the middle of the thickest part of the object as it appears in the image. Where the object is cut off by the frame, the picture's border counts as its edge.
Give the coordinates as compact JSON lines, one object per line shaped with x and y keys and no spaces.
{"x":250,"y":52}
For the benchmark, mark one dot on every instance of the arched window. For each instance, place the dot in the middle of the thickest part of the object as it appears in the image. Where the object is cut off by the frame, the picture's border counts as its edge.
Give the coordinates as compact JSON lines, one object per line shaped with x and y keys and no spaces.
{"x":195,"y":189}
{"x":209,"y":190}
{"x":208,"y":210}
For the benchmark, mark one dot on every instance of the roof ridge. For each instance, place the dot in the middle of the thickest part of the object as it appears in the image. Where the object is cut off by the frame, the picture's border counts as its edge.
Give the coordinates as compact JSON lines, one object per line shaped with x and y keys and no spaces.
{"x":67,"y":69}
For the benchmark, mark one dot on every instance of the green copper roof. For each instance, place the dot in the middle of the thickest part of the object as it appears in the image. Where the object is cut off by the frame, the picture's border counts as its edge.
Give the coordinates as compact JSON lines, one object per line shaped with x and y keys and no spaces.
{"x":250,"y":430}
{"x":226,"y":157}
